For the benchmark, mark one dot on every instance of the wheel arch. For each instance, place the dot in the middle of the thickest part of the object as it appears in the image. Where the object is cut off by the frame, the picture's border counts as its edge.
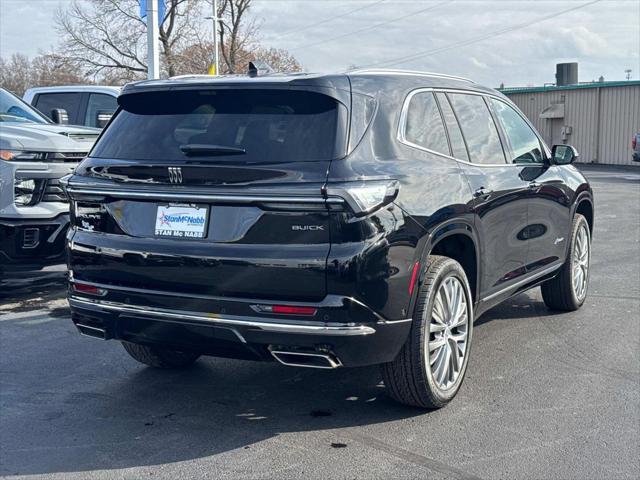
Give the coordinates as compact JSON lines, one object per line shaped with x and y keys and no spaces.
{"x":584,"y":206}
{"x":458,"y":240}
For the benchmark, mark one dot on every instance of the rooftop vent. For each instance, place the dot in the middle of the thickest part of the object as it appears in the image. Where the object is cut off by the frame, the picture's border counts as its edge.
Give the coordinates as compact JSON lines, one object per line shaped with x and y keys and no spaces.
{"x":566,"y":74}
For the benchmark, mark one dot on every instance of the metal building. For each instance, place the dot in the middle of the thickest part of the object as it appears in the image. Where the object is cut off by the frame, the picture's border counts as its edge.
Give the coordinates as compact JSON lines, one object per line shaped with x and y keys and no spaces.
{"x":598,"y":118}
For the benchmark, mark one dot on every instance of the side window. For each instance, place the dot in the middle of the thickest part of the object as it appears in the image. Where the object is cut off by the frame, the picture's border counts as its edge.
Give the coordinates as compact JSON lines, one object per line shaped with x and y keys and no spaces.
{"x":455,"y":134}
{"x":99,"y":104}
{"x":424,"y":125}
{"x":68,"y":101}
{"x":478,"y":128}
{"x":523,"y":140}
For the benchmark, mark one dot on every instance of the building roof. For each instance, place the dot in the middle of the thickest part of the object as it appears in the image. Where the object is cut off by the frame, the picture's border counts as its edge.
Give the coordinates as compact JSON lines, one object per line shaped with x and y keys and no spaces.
{"x":552,"y":88}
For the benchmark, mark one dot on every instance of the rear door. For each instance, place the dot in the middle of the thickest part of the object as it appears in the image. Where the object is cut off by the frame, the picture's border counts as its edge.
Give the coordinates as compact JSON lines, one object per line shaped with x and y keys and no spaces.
{"x":499,"y":195}
{"x":215,"y":192}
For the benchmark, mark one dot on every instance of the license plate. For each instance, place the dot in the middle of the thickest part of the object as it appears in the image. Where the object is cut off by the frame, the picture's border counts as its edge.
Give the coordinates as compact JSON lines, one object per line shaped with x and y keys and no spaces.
{"x":181,"y":221}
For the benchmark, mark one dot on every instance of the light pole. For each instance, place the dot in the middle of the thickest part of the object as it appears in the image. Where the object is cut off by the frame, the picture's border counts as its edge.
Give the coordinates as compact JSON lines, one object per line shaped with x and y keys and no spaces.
{"x":153,"y":32}
{"x":213,"y":69}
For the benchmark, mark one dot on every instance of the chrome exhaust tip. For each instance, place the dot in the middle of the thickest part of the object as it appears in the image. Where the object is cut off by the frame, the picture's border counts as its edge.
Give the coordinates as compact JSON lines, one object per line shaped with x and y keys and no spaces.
{"x":94,"y":332}
{"x":305,"y":359}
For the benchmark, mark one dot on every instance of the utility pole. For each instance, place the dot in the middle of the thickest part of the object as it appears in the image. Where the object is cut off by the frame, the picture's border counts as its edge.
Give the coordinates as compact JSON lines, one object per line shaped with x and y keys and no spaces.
{"x":153,"y":32}
{"x":213,"y":69}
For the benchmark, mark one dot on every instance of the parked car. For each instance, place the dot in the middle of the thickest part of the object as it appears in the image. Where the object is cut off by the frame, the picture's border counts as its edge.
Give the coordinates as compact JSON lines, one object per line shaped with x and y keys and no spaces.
{"x":89,"y":105}
{"x":635,"y":146}
{"x":34,"y":154}
{"x":322,"y":221}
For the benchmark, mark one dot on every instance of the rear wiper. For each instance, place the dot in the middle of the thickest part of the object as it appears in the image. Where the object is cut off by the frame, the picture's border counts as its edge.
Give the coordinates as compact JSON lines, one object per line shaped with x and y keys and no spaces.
{"x":199,"y":149}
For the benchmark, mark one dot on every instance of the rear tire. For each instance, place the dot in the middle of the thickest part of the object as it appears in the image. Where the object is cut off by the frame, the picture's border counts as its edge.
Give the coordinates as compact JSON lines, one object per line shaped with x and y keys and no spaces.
{"x":160,"y":357}
{"x":424,"y":373}
{"x":567,"y":291}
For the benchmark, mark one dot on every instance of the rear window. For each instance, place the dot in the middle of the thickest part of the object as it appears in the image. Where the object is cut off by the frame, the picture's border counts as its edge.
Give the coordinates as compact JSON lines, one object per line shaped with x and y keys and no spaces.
{"x":248,"y":126}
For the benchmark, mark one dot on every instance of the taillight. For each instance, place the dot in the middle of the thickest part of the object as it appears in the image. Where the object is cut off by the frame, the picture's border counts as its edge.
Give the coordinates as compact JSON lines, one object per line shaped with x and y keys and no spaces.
{"x":634,"y":141}
{"x":365,"y":197}
{"x":89,"y":289}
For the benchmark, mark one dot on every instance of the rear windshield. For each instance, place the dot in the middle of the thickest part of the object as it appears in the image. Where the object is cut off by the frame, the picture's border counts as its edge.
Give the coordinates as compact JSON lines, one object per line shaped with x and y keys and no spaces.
{"x":248,"y":126}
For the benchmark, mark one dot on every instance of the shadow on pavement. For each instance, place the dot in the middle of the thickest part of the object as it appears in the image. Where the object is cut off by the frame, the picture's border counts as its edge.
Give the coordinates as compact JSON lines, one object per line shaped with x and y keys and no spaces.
{"x":114,"y":414}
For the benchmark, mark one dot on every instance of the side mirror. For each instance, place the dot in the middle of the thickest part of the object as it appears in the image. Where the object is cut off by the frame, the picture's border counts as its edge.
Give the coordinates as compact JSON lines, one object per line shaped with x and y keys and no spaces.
{"x":563,"y":154}
{"x":103,"y":117}
{"x":60,"y":116}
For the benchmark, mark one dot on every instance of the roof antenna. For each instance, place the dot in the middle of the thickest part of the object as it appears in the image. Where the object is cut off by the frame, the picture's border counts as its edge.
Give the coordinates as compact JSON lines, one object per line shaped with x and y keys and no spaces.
{"x":259,"y":68}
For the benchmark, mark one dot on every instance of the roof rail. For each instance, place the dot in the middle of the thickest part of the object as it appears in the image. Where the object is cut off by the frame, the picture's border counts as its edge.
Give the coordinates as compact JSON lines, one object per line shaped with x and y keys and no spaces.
{"x":393,"y":71}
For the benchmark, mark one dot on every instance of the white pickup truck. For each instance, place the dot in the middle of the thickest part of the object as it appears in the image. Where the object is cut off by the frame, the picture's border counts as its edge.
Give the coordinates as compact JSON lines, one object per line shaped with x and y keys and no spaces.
{"x":88,"y":105}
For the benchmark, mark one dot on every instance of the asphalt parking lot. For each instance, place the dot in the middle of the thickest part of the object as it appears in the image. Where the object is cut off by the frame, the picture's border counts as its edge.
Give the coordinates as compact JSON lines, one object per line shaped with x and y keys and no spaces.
{"x":547,"y":395}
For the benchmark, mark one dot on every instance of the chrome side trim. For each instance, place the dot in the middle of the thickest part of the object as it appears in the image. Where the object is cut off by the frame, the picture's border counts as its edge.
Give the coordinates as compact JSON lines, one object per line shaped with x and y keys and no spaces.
{"x":203,"y":197}
{"x":524,"y":281}
{"x":252,"y":322}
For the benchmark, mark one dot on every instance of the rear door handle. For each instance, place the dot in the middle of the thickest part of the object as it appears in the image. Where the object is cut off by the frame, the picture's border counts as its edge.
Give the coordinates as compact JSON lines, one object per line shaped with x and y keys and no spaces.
{"x":482,"y":193}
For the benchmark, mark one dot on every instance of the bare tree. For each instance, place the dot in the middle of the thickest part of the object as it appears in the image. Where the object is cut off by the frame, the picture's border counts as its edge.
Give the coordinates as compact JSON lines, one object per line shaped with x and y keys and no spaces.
{"x":107,"y":38}
{"x":19,"y":72}
{"x":15,"y":73}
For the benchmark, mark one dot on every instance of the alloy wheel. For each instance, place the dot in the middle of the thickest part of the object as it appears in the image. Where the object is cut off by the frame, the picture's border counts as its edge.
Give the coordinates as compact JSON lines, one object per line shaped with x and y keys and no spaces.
{"x":580,"y":273}
{"x":448,"y":333}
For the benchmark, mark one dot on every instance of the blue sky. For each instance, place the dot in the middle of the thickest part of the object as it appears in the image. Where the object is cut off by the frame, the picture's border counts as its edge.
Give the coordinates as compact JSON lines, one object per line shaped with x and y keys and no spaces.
{"x":491,"y":41}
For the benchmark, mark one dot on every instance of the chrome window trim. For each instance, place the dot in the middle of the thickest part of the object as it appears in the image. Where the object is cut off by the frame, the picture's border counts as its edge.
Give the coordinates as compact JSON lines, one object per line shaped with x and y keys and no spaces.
{"x":268,"y":325}
{"x":400,"y":136}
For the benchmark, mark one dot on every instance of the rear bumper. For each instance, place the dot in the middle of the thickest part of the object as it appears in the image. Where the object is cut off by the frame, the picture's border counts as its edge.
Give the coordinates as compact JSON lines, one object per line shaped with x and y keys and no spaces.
{"x":32,"y":243}
{"x":215,"y":327}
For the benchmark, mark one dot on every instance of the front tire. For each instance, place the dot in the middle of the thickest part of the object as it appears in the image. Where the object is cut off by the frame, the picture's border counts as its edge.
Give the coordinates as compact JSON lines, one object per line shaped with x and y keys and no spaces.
{"x":160,"y":357}
{"x":567,"y":291}
{"x":430,"y":368}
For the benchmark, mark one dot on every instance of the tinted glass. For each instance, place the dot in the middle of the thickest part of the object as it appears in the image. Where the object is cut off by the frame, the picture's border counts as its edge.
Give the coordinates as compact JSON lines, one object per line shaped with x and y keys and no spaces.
{"x":478,"y":128}
{"x":455,"y":134}
{"x":524,"y":142}
{"x":99,"y":102}
{"x":271,"y":126}
{"x":68,"y":101}
{"x":424,"y":125}
{"x":13,"y":109}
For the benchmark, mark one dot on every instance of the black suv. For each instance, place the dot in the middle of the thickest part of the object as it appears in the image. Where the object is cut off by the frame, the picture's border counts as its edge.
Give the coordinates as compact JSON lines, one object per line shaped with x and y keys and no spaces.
{"x":322,"y":221}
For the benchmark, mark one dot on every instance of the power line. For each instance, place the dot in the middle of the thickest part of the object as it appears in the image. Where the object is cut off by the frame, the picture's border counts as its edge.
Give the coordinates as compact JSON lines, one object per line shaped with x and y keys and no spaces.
{"x":370,"y":27}
{"x":425,"y":53}
{"x":331,"y":19}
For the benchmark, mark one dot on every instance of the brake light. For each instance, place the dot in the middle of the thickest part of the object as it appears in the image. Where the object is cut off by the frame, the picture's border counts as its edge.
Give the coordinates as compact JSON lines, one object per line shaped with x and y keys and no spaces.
{"x":89,"y":289}
{"x":286,"y":309}
{"x":290,"y":310}
{"x":634,"y":141}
